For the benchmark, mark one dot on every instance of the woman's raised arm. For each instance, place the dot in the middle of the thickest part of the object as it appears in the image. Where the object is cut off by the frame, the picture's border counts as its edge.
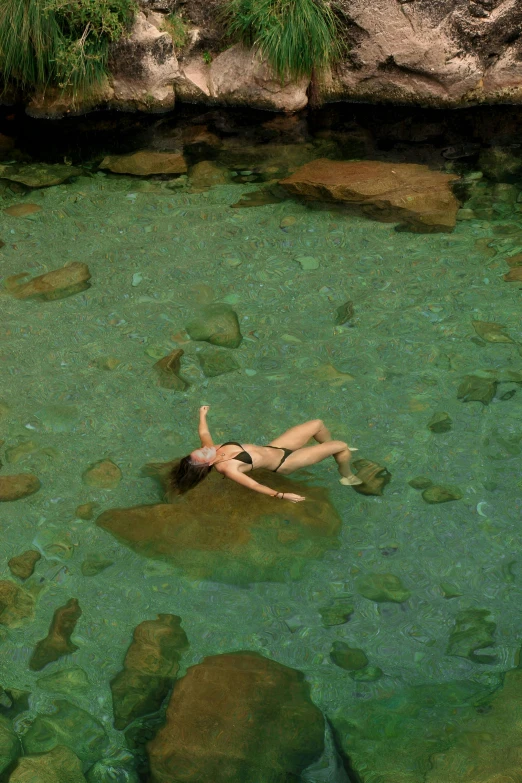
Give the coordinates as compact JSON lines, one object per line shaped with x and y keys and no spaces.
{"x":203,"y":431}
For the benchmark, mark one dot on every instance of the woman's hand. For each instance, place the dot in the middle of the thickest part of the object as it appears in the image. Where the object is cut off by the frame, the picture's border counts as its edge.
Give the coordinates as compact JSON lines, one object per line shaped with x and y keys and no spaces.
{"x":292,"y":497}
{"x":204,"y":409}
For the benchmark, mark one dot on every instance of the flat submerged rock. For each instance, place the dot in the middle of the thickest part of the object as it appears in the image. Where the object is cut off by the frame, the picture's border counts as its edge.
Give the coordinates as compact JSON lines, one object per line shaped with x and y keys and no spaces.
{"x":407,"y":193}
{"x":227,"y":533}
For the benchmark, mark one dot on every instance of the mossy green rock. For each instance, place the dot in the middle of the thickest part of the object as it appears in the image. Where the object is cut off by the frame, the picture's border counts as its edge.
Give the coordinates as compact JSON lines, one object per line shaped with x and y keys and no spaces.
{"x":9,"y":745}
{"x":350,"y":658}
{"x":382,"y":588}
{"x":65,"y":681}
{"x":94,"y":565}
{"x":215,"y":362}
{"x":476,"y":389}
{"x":67,"y":725}
{"x":474,"y":630}
{"x":368,"y":674}
{"x":337,"y":612}
{"x":420,"y":482}
{"x":436,"y":494}
{"x":218,"y":325}
{"x":39,"y":175}
{"x":440,"y":422}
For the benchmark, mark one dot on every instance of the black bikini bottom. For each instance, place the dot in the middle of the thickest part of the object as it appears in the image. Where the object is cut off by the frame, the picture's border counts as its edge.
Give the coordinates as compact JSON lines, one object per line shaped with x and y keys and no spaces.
{"x":285,"y":456}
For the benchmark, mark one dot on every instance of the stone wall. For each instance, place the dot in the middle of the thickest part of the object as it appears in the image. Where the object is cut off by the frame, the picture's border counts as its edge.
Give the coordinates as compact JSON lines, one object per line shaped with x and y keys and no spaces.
{"x":440,"y":53}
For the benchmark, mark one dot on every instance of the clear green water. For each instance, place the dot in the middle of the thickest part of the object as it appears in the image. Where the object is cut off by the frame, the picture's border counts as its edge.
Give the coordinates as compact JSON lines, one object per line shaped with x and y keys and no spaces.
{"x":156,"y":255}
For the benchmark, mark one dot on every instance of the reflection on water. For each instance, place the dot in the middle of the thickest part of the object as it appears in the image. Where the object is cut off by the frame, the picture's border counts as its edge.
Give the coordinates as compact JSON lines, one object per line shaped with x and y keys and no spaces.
{"x":395,"y":610}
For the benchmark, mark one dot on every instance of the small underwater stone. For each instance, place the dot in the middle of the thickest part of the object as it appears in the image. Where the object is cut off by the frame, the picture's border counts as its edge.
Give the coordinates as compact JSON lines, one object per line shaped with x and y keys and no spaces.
{"x":337,"y":612}
{"x":39,"y":175}
{"x":440,"y":422}
{"x":58,"y":640}
{"x":16,"y":453}
{"x":474,"y":630}
{"x":206,"y":174}
{"x":168,"y":370}
{"x":382,"y":588}
{"x":67,"y":725}
{"x":491,"y":332}
{"x":23,"y":565}
{"x":218,"y":325}
{"x":145,"y":163}
{"x":420,"y":482}
{"x":65,"y":681}
{"x":344,"y":313}
{"x":508,"y":395}
{"x":16,"y":604}
{"x":18,"y":486}
{"x":368,"y":674}
{"x":437,"y":494}
{"x":514,"y":275}
{"x":59,"y":765}
{"x":287,"y":221}
{"x":57,"y":284}
{"x":449,"y":590}
{"x":476,"y":389}
{"x":216,"y":362}
{"x":103,"y":474}
{"x":308,"y":263}
{"x":22,"y":210}
{"x":350,"y":658}
{"x":149,"y":669}
{"x":374,"y":477}
{"x":94,"y":565}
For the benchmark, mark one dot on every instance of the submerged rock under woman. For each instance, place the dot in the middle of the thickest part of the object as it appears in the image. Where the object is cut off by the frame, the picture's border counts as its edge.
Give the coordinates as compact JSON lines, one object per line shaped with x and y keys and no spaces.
{"x":285,"y":454}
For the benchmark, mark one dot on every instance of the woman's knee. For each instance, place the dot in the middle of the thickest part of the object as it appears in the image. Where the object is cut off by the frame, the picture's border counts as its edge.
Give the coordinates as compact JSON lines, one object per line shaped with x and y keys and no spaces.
{"x":339,"y":445}
{"x":318,"y":424}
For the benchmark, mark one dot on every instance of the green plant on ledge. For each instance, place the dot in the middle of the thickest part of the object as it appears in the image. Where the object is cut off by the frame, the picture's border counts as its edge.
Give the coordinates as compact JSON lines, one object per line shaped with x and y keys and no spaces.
{"x":176,"y":27}
{"x":299,"y":38}
{"x":207,"y":57}
{"x":60,"y":43}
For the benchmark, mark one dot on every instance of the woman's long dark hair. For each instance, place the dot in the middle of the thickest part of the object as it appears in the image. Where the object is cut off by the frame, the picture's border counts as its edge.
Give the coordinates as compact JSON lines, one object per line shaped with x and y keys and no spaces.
{"x":184,"y":475}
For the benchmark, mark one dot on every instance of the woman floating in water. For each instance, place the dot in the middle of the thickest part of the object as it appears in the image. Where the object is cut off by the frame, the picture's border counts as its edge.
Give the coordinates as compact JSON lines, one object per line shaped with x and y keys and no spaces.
{"x":285,"y":454}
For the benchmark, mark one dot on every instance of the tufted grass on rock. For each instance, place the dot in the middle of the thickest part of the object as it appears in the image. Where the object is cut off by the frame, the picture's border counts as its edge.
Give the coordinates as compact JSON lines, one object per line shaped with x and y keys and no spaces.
{"x":59,"y":43}
{"x":297,"y":37}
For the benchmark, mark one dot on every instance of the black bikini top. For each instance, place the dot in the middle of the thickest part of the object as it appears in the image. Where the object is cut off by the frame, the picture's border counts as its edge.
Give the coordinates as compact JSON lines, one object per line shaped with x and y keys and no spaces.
{"x":243,"y":456}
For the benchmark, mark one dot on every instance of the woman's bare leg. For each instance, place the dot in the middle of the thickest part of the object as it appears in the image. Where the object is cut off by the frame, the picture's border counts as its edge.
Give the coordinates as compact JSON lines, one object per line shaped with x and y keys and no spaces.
{"x":296,"y":437}
{"x":311,"y":455}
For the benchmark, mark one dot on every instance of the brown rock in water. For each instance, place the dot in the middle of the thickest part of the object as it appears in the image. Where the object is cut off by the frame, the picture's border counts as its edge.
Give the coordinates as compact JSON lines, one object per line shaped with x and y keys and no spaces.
{"x":168,"y":370}
{"x":150,"y":668}
{"x":405,"y":193}
{"x":437,"y":494}
{"x":491,"y":332}
{"x":514,"y":275}
{"x":475,"y":388}
{"x":223,"y":531}
{"x":58,"y":640}
{"x":374,"y":477}
{"x":103,"y":474}
{"x":18,"y":486}
{"x":23,"y":565}
{"x":234,"y":718}
{"x":85,"y":511}
{"x":514,"y":261}
{"x":146,"y":163}
{"x":22,"y":210}
{"x":16,"y":604}
{"x":206,"y":174}
{"x":59,"y":765}
{"x":486,"y":748}
{"x":217,"y":325}
{"x":58,"y":284}
{"x":39,"y":175}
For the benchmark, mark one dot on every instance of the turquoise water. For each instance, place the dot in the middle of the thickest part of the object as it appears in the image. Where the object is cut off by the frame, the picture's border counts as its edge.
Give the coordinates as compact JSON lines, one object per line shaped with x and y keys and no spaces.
{"x":78,"y":385}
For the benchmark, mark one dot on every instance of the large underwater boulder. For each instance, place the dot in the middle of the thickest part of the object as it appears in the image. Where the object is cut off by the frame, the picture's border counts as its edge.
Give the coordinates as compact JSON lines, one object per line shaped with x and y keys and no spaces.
{"x":237,"y":717}
{"x":225,"y":532}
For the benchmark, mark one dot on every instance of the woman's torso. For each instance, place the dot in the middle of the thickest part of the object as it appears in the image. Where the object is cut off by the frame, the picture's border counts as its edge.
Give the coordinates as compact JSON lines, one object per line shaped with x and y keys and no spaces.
{"x":262,"y":457}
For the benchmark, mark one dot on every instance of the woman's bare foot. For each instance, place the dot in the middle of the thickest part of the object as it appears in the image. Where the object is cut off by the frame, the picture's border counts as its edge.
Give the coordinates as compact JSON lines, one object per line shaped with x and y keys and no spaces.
{"x":351,"y":480}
